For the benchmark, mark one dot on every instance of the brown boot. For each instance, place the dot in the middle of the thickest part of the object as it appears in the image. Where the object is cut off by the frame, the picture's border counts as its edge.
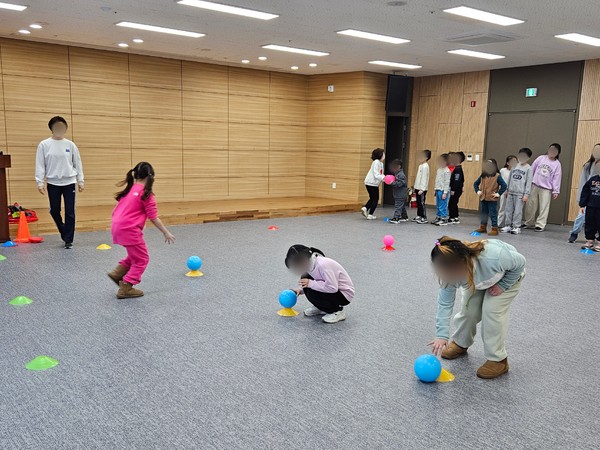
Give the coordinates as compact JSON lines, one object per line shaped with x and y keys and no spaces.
{"x":482,"y":229}
{"x":493,"y":369}
{"x":494,"y":232}
{"x":126,"y":290}
{"x":453,"y":351}
{"x":117,"y":274}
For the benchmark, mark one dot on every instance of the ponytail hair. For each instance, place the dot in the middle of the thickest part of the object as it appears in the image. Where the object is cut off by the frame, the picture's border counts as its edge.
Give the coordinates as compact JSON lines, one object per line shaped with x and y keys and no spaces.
{"x":300,"y":252}
{"x":449,"y":252}
{"x":142,"y":171}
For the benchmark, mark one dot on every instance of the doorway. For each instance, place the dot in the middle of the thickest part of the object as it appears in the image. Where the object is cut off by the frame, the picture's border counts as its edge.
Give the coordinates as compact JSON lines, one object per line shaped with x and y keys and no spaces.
{"x":395,"y":148}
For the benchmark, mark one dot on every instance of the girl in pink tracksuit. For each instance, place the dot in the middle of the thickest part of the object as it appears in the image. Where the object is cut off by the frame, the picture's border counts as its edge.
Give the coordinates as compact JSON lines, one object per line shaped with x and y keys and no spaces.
{"x":136,"y":204}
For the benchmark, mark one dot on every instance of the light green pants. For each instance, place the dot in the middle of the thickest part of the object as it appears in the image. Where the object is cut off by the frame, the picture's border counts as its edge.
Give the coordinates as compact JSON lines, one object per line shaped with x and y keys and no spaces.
{"x":492,"y":312}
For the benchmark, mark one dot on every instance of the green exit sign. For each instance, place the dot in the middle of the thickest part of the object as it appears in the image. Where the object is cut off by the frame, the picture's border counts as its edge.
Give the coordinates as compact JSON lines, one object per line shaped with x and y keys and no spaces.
{"x":531,"y":92}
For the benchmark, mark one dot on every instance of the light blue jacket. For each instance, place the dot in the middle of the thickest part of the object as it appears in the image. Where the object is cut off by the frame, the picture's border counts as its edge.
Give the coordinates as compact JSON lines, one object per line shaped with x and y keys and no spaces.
{"x":499,"y":263}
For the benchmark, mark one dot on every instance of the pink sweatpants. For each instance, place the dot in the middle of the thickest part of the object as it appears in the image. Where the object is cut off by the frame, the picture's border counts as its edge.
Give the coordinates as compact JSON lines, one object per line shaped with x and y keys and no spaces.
{"x":136,"y":262}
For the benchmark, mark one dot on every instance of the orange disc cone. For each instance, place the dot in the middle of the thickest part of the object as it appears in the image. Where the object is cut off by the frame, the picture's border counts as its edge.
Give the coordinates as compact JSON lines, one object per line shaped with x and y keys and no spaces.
{"x":23,"y":234}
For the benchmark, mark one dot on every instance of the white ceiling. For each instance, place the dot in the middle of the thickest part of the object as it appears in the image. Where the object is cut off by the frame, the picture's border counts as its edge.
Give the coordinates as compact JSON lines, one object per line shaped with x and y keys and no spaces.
{"x":312,"y":24}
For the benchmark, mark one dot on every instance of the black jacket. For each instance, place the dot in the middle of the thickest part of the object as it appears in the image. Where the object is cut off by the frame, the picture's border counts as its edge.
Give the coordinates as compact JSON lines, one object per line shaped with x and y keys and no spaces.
{"x":457,"y":180}
{"x":590,"y":194}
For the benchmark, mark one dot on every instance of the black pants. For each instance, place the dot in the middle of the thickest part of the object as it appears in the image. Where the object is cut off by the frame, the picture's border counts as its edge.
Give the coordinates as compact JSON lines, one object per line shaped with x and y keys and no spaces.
{"x":421,"y":208}
{"x":592,"y":223}
{"x":371,"y":205}
{"x":453,"y":204}
{"x":326,"y":302}
{"x":66,"y":228}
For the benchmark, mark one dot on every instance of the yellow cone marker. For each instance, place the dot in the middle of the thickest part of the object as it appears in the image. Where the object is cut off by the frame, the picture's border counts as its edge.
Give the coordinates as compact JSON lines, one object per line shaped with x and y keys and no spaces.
{"x":103,"y":247}
{"x":287,"y":312}
{"x":445,"y":376}
{"x":194,"y":273}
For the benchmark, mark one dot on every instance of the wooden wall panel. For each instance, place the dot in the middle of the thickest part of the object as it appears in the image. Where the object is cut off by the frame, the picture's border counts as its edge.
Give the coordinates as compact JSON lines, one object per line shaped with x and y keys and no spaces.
{"x":156,"y":134}
{"x":347,"y":86}
{"x":205,"y":188}
{"x":205,"y":135}
{"x":205,"y":106}
{"x":287,"y":163}
{"x":101,"y":132}
{"x":590,"y":91}
{"x":429,"y":120}
{"x":251,"y":187}
{"x":36,"y":94}
{"x":472,"y":137}
{"x":28,"y":128}
{"x":248,"y":82}
{"x":100,"y":99}
{"x":205,"y":77}
{"x":451,"y":98}
{"x":106,"y":163}
{"x":287,"y":186}
{"x":98,"y":66}
{"x":34,"y":59}
{"x":288,"y":86}
{"x":477,"y":82}
{"x":248,"y":137}
{"x":203,"y":163}
{"x":149,"y":71}
{"x":248,"y":109}
{"x":336,"y":114}
{"x":431,"y":86}
{"x":287,"y":112}
{"x":288,"y":138}
{"x":157,"y":103}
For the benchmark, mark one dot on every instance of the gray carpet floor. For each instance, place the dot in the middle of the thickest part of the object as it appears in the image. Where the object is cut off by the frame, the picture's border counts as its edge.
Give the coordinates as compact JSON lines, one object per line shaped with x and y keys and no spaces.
{"x":206,"y":363}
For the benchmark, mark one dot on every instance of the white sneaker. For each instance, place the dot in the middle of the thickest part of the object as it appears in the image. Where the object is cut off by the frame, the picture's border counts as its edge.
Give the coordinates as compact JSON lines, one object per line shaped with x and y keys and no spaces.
{"x":515,"y":231}
{"x":313,"y":311}
{"x":371,"y":217}
{"x":364,"y":211}
{"x":506,"y":230}
{"x":335,"y":317}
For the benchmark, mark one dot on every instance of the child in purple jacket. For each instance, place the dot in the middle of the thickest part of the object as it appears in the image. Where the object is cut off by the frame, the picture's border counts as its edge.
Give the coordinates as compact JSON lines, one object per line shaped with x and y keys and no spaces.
{"x":547,"y":173}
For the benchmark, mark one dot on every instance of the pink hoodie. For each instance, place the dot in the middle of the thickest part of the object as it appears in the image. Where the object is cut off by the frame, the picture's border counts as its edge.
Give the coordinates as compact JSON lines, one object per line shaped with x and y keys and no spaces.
{"x":329,"y":276}
{"x":547,"y":173}
{"x":130,"y":215}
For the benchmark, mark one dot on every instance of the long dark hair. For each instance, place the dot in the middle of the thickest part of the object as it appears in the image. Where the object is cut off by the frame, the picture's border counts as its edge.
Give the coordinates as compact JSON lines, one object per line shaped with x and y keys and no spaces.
{"x":508,"y":159}
{"x":142,"y":171}
{"x":590,"y":162}
{"x":300,"y":252}
{"x":448,"y":252}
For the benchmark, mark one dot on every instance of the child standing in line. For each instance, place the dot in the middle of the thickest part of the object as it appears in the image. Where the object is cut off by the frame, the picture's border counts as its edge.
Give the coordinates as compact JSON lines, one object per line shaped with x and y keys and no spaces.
{"x":136,"y":204}
{"x":421,"y":186}
{"x":372,"y":182}
{"x":442,"y":190}
{"x":489,"y":187}
{"x":517,"y":192}
{"x":457,"y":183}
{"x":490,"y":273}
{"x":547,"y":173}
{"x":400,"y":190}
{"x":590,"y":200}
{"x":324,"y":281}
{"x":511,"y":161}
{"x":586,"y":174}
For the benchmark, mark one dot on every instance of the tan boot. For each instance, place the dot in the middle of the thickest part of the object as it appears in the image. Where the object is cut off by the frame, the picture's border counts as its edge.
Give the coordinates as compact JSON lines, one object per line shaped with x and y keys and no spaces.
{"x":126,"y":290}
{"x":494,"y":232}
{"x":453,"y":351}
{"x":482,"y":229}
{"x":493,"y":369}
{"x":117,"y":274}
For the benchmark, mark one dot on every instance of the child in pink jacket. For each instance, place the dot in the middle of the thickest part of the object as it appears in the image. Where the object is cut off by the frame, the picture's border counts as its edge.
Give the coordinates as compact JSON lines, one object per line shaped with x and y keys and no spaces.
{"x":136,"y":204}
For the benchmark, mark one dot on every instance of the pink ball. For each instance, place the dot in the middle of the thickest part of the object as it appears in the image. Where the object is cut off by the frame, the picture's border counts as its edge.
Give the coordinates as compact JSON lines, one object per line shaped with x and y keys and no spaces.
{"x":389,"y":179}
{"x":388,"y":240}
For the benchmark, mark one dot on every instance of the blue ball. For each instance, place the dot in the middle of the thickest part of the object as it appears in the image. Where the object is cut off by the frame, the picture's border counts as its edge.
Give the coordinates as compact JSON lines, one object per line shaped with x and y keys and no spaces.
{"x":428,"y":368}
{"x":194,"y":263}
{"x":288,"y":298}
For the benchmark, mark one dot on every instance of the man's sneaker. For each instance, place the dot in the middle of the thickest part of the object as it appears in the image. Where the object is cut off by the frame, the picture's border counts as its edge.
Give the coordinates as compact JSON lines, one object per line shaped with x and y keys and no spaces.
{"x":416,"y":219}
{"x":313,"y":311}
{"x":539,"y":229}
{"x":456,"y":221}
{"x":435,"y":222}
{"x":422,"y":220}
{"x":572,"y":238}
{"x":364,"y":211}
{"x":506,"y":229}
{"x":442,"y":223}
{"x":68,"y":245}
{"x":371,"y":217}
{"x":335,"y":317}
{"x":516,"y":230}
{"x":394,"y":221}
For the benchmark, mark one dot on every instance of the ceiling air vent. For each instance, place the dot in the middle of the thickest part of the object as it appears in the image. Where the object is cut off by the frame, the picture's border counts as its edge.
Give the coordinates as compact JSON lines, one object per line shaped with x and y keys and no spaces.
{"x":475,"y":39}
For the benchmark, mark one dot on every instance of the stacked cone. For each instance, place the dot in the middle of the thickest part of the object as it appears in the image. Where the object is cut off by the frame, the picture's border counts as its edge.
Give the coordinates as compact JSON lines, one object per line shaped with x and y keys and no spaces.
{"x":23,"y":234}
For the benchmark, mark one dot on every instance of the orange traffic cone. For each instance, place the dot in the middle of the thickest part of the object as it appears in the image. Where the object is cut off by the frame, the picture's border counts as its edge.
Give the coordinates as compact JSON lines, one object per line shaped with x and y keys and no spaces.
{"x":23,"y":234}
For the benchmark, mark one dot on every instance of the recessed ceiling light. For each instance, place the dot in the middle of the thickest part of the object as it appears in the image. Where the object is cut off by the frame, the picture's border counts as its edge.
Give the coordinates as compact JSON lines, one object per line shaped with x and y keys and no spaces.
{"x":395,"y":64}
{"x":229,"y":9}
{"x":262,"y":58}
{"x":24,"y":31}
{"x":474,"y":54}
{"x":138,"y":41}
{"x":294,"y":67}
{"x":312,"y":65}
{"x":245,"y":61}
{"x":581,"y":38}
{"x":373,"y":36}
{"x":141,"y":26}
{"x":283,"y":48}
{"x":483,"y":16}
{"x":35,"y":26}
{"x":12,"y":7}
{"x":123,"y":45}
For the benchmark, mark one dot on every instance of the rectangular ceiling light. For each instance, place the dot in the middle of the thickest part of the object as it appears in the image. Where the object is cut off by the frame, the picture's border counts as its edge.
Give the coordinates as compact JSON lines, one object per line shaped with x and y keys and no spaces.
{"x":395,"y":64}
{"x":474,"y":54}
{"x":580,"y":38}
{"x":141,"y":26}
{"x":229,"y":9}
{"x":373,"y":36}
{"x":483,"y":16}
{"x":12,"y":7}
{"x":302,"y":51}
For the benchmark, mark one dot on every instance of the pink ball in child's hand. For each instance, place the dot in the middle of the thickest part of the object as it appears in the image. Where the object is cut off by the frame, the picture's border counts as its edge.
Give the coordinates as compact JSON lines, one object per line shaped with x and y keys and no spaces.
{"x":388,"y":240}
{"x":389,"y":179}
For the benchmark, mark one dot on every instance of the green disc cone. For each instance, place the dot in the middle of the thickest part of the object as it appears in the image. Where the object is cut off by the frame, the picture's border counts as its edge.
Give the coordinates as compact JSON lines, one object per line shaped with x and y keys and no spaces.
{"x":20,"y":301}
{"x":42,"y":363}
{"x":2,"y":257}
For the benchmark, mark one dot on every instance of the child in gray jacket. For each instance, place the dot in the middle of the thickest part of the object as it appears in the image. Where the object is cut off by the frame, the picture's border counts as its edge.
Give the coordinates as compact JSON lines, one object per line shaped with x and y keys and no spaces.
{"x":400,"y":189}
{"x":517,"y":194}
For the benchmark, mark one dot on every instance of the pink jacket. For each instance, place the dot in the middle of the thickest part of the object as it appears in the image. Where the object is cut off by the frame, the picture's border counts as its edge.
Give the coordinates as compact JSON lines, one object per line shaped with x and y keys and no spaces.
{"x":130,"y":215}
{"x":329,"y":276}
